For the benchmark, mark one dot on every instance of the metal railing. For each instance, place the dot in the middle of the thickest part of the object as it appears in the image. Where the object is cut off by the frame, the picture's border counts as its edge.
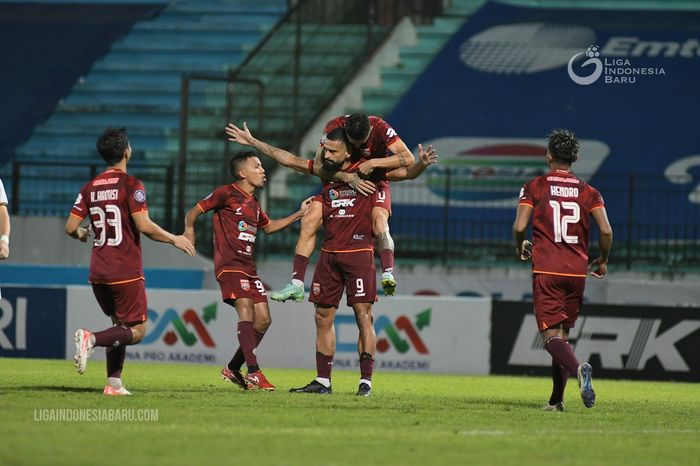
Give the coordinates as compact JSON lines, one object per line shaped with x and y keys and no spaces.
{"x":441,"y":218}
{"x":31,"y":180}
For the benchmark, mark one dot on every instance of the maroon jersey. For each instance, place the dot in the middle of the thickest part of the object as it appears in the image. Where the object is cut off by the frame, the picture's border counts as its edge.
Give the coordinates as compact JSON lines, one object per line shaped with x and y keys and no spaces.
{"x":347,"y":217}
{"x":237,"y":218}
{"x":561,"y":206}
{"x":110,"y":200}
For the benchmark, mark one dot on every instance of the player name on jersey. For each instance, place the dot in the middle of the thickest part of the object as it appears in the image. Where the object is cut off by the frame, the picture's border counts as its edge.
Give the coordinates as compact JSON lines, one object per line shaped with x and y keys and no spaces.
{"x":563,"y":191}
{"x":105,"y":195}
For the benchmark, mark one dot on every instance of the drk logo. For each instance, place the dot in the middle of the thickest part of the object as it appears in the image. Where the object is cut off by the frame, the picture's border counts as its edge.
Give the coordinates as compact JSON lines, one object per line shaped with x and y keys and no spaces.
{"x":622,"y":343}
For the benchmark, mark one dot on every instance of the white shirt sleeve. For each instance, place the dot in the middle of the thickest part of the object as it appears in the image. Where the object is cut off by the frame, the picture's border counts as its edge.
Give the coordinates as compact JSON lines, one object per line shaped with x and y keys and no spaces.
{"x":3,"y":195}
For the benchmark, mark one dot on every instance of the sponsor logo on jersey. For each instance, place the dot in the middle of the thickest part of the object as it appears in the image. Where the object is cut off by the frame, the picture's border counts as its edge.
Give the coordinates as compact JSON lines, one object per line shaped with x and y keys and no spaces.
{"x":242,"y":226}
{"x":343,"y":203}
{"x":245,"y":236}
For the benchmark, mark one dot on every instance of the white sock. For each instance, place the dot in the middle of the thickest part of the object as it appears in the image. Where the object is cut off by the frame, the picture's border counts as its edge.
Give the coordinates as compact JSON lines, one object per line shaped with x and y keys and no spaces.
{"x":324,"y":381}
{"x":368,"y":382}
{"x":114,"y":382}
{"x":298,"y":283}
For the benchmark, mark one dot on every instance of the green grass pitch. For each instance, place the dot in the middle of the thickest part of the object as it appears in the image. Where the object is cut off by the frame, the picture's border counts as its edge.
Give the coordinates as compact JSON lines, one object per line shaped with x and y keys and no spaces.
{"x":420,"y":419}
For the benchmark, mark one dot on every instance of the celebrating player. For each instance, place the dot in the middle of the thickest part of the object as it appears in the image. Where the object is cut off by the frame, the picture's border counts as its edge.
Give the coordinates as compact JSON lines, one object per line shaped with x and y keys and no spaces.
{"x":116,"y":205}
{"x":560,"y":204}
{"x":372,"y":139}
{"x":237,"y":219}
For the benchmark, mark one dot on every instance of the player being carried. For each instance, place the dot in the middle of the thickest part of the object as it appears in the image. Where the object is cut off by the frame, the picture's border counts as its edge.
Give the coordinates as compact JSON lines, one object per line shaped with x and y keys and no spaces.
{"x":237,"y":220}
{"x":371,"y":139}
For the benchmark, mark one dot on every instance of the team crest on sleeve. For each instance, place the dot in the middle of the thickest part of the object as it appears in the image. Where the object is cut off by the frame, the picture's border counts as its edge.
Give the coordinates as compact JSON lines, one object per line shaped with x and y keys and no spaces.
{"x":245,"y":284}
{"x":140,"y":195}
{"x":316,"y":289}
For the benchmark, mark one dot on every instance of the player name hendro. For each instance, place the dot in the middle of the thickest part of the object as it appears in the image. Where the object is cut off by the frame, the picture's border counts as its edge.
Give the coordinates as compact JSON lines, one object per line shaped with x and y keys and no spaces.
{"x":106,"y":195}
{"x":563,"y":191}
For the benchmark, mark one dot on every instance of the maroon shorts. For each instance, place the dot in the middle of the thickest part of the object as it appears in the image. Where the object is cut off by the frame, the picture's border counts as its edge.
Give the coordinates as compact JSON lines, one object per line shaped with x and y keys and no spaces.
{"x":557,"y":299}
{"x":382,"y":196}
{"x":126,"y":301}
{"x":236,"y":285}
{"x":336,"y":271}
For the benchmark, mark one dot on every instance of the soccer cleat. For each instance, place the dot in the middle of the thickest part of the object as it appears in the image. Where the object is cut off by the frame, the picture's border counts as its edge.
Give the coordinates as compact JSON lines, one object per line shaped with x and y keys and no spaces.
{"x":585,"y":383}
{"x":111,"y":391}
{"x":364,"y":390}
{"x":555,"y":407}
{"x":83,"y":349}
{"x":313,"y":387}
{"x":388,"y":283}
{"x":258,"y":380}
{"x":290,"y":291}
{"x":236,"y":378}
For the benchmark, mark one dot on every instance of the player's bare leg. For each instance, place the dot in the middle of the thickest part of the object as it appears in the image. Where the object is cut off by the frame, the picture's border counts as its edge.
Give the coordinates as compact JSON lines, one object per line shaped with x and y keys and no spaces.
{"x":385,"y":246}
{"x":366,"y":346}
{"x":310,"y":224}
{"x":325,"y":350}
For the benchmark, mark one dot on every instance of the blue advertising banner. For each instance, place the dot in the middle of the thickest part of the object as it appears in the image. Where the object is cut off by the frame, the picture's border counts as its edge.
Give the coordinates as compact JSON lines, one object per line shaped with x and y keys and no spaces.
{"x":33,"y":323}
{"x":625,"y":82}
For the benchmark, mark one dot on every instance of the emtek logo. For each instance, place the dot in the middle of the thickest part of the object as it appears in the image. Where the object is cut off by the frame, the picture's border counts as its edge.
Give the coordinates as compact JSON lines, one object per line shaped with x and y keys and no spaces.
{"x":403,"y":334}
{"x":172,"y":328}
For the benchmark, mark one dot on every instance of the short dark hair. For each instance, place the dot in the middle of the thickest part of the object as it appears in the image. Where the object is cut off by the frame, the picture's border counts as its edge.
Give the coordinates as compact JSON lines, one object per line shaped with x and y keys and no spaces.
{"x":563,"y":145}
{"x":338,"y":134}
{"x":357,"y":126}
{"x":111,"y":145}
{"x":239,"y":159}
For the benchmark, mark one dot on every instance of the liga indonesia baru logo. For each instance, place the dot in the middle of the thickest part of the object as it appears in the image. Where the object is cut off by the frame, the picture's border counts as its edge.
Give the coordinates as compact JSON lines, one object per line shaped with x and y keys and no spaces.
{"x":174,"y":328}
{"x":613,"y":70}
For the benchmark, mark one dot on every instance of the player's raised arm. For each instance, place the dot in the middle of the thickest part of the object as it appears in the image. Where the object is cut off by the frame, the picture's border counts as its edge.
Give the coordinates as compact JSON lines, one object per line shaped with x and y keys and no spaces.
{"x":283,"y":157}
{"x":425,"y":159}
{"x":151,"y":229}
{"x":282,"y":223}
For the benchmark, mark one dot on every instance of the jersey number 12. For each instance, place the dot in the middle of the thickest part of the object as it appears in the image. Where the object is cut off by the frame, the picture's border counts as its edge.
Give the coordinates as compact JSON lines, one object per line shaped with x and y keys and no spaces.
{"x":561,"y":223}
